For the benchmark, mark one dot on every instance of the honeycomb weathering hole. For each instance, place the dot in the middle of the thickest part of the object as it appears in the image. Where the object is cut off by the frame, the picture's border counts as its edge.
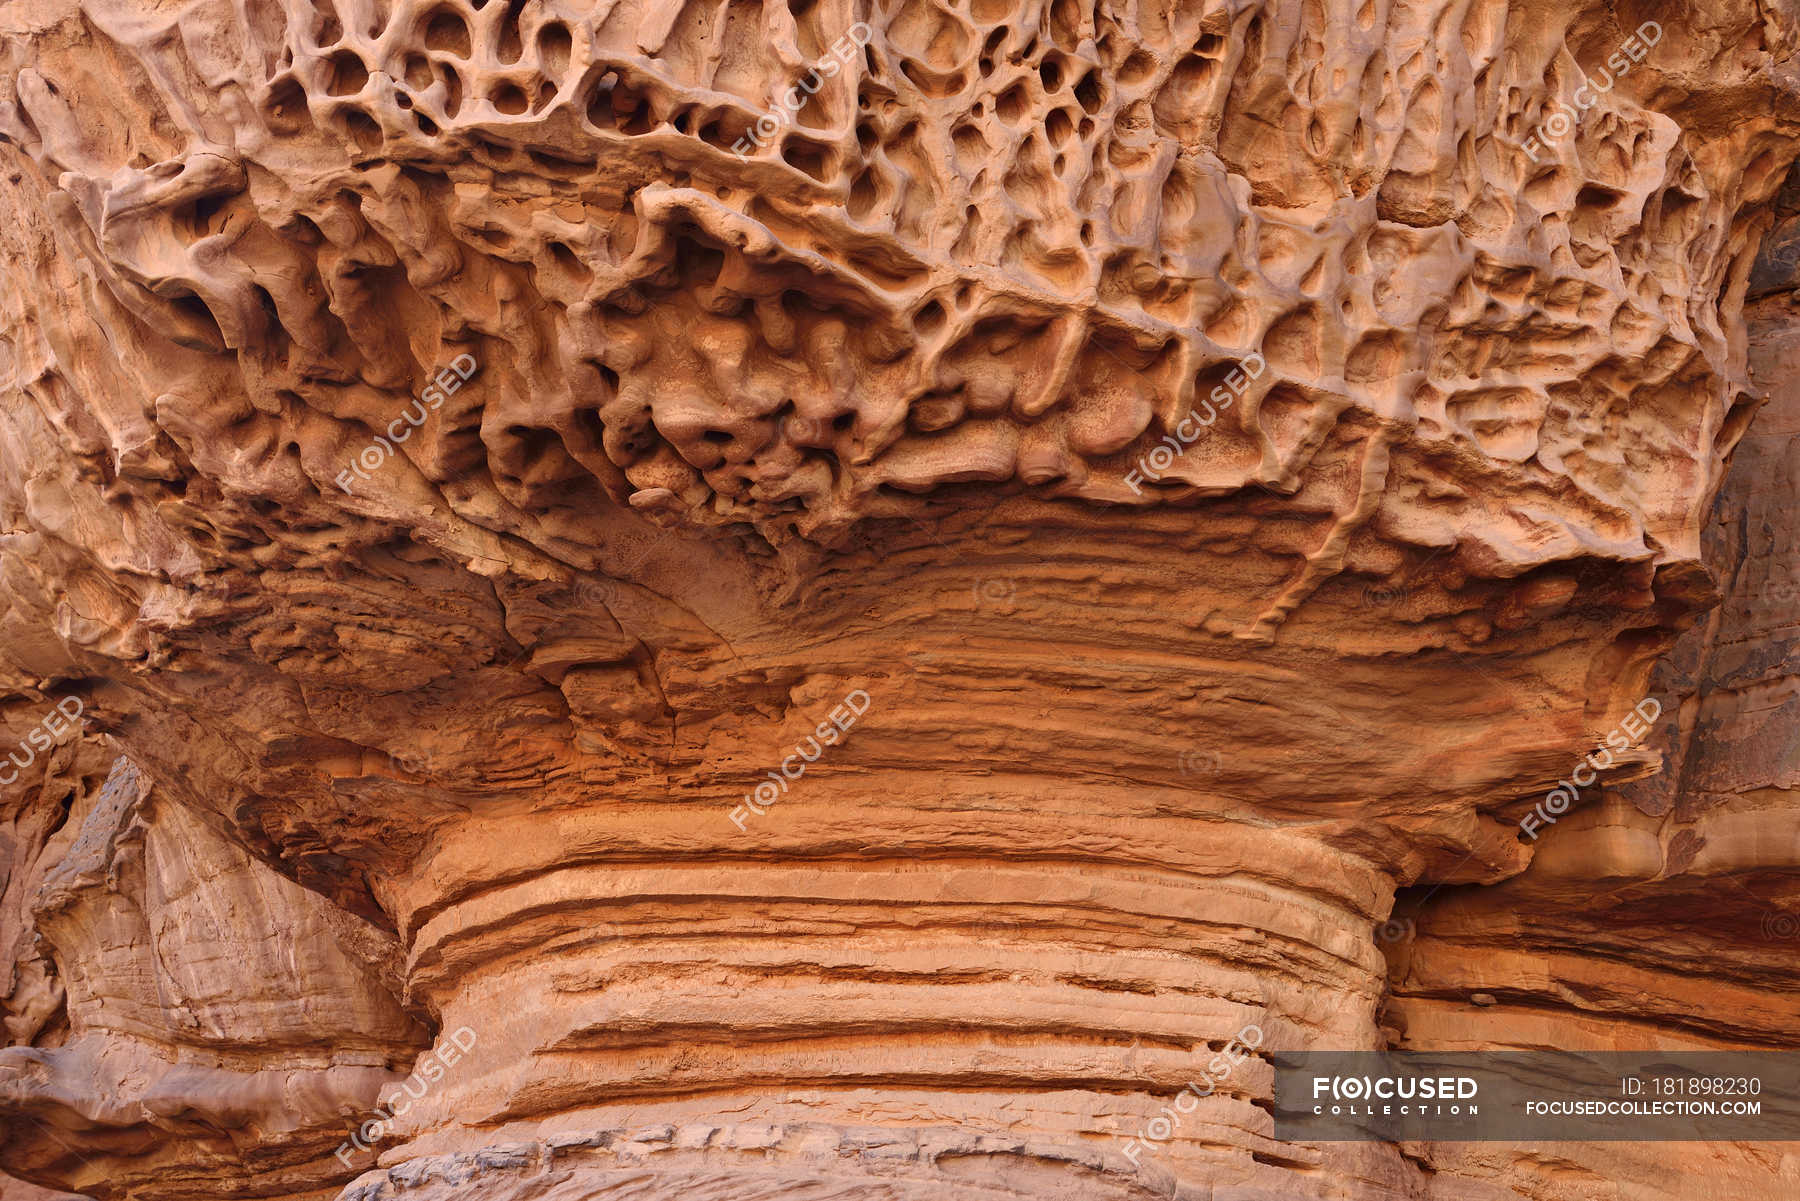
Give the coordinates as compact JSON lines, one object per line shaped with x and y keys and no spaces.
{"x":447,"y":32}
{"x":554,"y":46}
{"x":348,"y":74}
{"x":1237,"y":463}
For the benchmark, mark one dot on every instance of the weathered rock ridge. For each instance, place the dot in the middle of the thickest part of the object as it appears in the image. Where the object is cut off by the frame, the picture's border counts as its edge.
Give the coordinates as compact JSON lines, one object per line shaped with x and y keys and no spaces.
{"x":852,"y":591}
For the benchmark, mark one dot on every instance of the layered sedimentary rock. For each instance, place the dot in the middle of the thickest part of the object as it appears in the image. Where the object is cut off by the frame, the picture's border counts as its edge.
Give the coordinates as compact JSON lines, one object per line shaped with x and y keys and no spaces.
{"x":1664,"y":913}
{"x":854,"y":593}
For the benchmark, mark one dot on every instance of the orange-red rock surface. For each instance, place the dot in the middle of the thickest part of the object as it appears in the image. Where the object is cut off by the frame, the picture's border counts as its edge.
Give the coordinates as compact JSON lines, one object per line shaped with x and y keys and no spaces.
{"x":848,"y":661}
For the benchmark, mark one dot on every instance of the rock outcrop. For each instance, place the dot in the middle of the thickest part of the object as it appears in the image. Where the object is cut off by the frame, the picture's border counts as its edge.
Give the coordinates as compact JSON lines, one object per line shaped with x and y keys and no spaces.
{"x":813,"y":600}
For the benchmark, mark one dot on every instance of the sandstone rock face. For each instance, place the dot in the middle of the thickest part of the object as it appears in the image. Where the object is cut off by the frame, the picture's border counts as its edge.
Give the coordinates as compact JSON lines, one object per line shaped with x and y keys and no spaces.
{"x":821,"y":600}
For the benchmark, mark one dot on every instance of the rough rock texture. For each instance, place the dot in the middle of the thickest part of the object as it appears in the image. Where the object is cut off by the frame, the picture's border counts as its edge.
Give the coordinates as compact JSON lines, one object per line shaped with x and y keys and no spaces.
{"x":417,"y":707}
{"x":1667,"y":913}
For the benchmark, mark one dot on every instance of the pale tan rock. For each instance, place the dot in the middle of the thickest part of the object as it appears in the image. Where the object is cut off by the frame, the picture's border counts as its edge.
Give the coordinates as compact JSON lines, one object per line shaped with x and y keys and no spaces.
{"x":880,"y":409}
